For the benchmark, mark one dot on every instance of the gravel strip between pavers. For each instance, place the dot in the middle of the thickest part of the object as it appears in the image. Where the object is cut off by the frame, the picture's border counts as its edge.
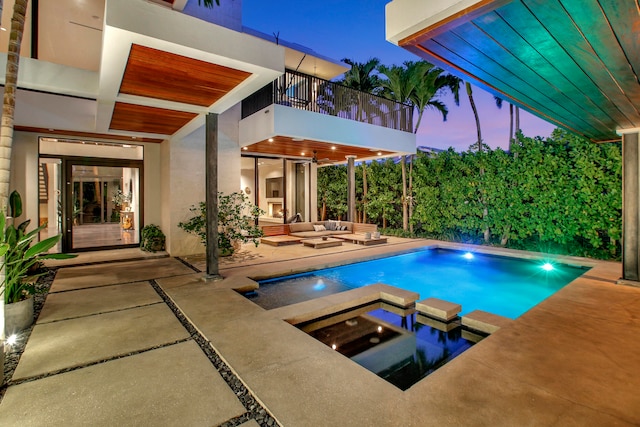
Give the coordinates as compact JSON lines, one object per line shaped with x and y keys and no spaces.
{"x":255,"y":411}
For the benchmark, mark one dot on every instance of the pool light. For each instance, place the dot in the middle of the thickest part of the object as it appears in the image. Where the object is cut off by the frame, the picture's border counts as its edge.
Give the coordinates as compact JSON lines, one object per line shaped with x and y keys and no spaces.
{"x":468,"y":255}
{"x":547,"y":266}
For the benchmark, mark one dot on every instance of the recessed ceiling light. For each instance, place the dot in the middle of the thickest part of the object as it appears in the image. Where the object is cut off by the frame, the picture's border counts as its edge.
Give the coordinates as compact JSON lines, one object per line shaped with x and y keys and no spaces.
{"x":333,"y":147}
{"x":134,"y":137}
{"x":270,"y":139}
{"x":297,"y":139}
{"x":50,"y":130}
{"x":302,"y":154}
{"x":3,"y":29}
{"x":379,"y":153}
{"x":245,"y":148}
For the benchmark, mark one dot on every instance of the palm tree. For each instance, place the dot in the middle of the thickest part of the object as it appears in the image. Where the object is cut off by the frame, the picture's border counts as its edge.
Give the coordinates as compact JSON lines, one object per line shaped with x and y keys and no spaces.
{"x":6,"y":129}
{"x":208,"y":3}
{"x":420,"y":84}
{"x":362,"y":78}
{"x":398,"y":86}
{"x":475,"y":113}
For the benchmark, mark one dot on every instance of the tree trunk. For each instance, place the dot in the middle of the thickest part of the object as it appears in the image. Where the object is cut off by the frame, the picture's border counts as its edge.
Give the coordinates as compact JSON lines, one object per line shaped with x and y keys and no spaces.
{"x":405,"y":216}
{"x":475,"y":114}
{"x":6,"y":131}
{"x":364,"y":192}
{"x":411,"y":194}
{"x":511,"y":128}
{"x":517,"y":119}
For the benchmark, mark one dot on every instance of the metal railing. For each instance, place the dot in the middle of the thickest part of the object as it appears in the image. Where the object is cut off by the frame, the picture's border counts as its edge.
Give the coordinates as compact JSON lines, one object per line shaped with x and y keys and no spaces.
{"x":305,"y":92}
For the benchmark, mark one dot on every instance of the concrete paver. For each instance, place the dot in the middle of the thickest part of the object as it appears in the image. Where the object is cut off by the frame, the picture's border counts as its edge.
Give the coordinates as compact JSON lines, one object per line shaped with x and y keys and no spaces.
{"x":83,"y":302}
{"x":75,"y":342}
{"x":174,"y":385}
{"x":88,"y":276}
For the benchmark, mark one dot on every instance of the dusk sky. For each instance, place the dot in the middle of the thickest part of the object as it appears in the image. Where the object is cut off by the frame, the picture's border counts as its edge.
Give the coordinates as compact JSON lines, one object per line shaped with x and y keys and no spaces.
{"x":356,"y":30}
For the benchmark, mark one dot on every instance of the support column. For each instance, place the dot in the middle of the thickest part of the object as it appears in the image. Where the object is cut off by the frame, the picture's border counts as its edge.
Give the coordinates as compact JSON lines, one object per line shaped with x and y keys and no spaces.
{"x":211,"y":196}
{"x":351,"y":189}
{"x":630,"y":209}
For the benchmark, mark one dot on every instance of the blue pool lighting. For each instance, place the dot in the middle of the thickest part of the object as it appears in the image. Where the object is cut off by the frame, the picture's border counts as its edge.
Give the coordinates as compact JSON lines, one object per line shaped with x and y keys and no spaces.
{"x":547,"y":266}
{"x":468,"y":255}
{"x":319,"y":285}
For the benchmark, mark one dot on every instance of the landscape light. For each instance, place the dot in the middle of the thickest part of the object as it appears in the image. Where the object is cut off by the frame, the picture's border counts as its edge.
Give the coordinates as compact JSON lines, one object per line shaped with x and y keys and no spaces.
{"x":547,"y":266}
{"x":468,"y":255}
{"x":13,"y":338}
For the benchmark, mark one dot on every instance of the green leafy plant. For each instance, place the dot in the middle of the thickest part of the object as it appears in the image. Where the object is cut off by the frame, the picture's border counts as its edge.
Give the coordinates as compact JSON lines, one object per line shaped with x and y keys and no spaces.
{"x":152,"y":238}
{"x":22,"y":256}
{"x":119,"y":197}
{"x":236,"y":222}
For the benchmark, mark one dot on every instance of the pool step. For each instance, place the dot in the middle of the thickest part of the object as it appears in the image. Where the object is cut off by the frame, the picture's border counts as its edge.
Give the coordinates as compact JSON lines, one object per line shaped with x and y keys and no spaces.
{"x":484,"y":322}
{"x":439,"y":309}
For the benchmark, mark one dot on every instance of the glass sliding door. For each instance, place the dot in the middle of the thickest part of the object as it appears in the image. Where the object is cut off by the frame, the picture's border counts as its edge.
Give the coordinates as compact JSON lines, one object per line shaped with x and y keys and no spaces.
{"x":271,"y":190}
{"x":104,"y":208}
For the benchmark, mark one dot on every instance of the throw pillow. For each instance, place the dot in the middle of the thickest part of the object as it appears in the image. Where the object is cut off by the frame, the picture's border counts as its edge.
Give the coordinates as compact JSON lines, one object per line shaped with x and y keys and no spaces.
{"x":319,"y":227}
{"x":343,"y":228}
{"x":331,"y":225}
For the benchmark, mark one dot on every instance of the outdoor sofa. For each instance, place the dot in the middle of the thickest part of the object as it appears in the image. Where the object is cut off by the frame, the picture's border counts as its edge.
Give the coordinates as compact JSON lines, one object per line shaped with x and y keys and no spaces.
{"x":283,"y":234}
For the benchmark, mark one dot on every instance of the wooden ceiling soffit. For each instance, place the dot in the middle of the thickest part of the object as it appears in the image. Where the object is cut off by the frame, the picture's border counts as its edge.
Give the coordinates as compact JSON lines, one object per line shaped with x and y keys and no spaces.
{"x":140,"y":118}
{"x":85,"y":135}
{"x":286,"y":147}
{"x":452,"y":21}
{"x":163,"y":75}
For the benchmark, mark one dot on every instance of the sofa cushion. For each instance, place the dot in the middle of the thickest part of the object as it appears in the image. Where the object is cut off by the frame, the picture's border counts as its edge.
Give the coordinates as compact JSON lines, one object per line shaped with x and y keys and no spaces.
{"x":312,"y":234}
{"x":300,"y":226}
{"x":319,"y":227}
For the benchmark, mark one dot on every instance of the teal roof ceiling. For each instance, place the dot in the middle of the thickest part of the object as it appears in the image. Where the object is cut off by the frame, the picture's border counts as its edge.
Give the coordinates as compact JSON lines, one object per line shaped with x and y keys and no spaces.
{"x":572,"y":62}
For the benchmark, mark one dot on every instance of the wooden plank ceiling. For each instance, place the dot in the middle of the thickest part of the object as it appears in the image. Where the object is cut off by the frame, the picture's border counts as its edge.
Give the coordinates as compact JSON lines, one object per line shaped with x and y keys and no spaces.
{"x":165,"y":76}
{"x":140,"y":118}
{"x":572,"y":62}
{"x":324,"y":152}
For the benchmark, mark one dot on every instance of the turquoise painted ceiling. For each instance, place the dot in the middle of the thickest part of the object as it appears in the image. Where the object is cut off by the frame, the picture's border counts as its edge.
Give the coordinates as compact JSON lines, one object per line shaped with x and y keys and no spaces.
{"x":572,"y":62}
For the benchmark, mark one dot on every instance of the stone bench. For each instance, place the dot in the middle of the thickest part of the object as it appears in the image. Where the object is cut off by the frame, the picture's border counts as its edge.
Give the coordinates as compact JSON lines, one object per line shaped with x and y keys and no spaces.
{"x":439,"y":309}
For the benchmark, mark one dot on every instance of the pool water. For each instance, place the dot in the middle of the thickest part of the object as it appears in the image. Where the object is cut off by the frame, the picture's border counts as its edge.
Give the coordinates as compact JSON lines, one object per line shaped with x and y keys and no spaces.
{"x":401,"y":350}
{"x":500,"y":285}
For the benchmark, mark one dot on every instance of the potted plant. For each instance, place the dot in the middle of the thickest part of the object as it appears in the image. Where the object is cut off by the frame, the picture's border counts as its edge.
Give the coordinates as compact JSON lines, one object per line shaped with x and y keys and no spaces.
{"x":236,"y":222}
{"x":21,"y":262}
{"x":152,"y":238}
{"x":121,"y":199}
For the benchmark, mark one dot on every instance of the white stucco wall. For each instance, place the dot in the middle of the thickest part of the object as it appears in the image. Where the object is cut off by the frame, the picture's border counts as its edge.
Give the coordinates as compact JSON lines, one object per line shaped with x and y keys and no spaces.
{"x":185,"y":178}
{"x":24,"y":174}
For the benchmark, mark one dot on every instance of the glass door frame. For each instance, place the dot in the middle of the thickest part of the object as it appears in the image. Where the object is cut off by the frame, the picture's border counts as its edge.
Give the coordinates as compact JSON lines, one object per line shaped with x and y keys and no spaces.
{"x":67,"y":196}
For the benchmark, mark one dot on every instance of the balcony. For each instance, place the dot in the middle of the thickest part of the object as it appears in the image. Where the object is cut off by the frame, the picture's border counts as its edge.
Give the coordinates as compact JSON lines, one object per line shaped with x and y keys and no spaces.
{"x":305,"y":92}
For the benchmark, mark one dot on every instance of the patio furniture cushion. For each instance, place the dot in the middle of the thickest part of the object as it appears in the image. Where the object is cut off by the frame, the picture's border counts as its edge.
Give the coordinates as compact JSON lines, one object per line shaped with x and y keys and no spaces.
{"x":300,"y":226}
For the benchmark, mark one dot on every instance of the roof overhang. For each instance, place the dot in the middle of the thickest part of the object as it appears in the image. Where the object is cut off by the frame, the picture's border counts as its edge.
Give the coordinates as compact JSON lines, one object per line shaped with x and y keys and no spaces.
{"x":574,"y":63}
{"x":290,"y":132}
{"x":162,"y":71}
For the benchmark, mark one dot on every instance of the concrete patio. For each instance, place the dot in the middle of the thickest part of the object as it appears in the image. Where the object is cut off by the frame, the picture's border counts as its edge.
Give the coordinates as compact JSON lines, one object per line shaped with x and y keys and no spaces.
{"x":108,"y":350}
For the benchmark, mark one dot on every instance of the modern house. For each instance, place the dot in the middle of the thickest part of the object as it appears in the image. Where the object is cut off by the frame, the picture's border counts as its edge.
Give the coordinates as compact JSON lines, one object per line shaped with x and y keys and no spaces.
{"x":574,"y":63}
{"x":111,"y":107}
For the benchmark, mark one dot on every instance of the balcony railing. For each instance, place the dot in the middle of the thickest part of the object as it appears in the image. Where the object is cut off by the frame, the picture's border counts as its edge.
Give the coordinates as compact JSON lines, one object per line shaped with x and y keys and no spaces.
{"x":310,"y":93}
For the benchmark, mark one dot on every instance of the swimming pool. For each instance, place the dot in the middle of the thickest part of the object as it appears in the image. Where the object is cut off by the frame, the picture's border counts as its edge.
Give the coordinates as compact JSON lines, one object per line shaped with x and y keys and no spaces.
{"x":500,"y":285}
